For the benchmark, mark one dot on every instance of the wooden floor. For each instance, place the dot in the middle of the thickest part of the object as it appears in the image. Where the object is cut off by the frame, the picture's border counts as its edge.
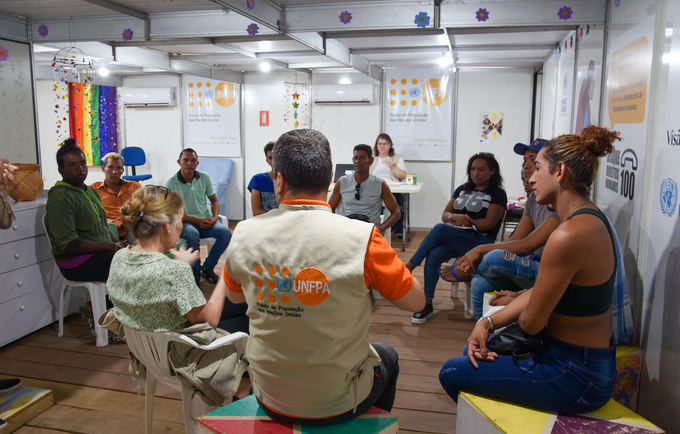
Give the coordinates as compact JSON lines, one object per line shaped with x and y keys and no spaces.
{"x":93,"y":392}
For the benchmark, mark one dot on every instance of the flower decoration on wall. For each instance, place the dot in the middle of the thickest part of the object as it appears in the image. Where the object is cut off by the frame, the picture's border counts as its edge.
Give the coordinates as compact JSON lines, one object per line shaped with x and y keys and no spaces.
{"x":3,"y":54}
{"x":43,"y":30}
{"x":579,"y":34}
{"x":345,"y":17}
{"x":565,"y":13}
{"x":282,"y":28}
{"x":127,"y":34}
{"x":253,"y":29}
{"x":482,"y":14}
{"x":422,"y":20}
{"x":251,"y":4}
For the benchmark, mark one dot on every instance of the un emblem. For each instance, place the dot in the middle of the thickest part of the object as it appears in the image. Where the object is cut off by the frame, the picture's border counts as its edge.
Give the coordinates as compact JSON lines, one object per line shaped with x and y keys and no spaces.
{"x":414,"y":92}
{"x":284,"y":285}
{"x":669,"y":196}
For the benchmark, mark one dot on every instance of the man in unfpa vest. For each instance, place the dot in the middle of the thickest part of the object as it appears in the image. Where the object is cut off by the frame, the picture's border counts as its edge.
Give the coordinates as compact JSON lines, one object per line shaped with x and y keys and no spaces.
{"x":306,"y":276}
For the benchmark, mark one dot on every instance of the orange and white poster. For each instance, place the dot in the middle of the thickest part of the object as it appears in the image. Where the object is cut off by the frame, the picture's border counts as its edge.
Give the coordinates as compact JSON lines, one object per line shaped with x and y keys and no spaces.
{"x":419,"y":112}
{"x":212,"y":122}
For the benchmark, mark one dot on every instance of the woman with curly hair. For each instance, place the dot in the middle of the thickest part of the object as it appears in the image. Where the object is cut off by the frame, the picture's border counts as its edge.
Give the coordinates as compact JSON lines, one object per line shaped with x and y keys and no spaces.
{"x":575,"y":369}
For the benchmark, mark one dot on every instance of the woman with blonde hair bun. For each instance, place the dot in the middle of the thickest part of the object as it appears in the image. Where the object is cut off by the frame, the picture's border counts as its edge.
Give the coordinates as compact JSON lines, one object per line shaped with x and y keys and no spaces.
{"x":150,"y":291}
{"x":575,"y":368}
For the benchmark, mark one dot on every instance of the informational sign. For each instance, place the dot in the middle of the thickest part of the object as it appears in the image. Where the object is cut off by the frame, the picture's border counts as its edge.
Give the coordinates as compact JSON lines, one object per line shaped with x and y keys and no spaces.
{"x":212,"y":122}
{"x":264,"y":118}
{"x":418,"y":112}
{"x":630,"y":65}
{"x":588,"y":78}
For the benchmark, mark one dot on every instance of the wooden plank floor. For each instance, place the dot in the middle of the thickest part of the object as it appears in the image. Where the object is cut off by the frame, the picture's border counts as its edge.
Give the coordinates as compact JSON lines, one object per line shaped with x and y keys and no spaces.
{"x":93,"y":392}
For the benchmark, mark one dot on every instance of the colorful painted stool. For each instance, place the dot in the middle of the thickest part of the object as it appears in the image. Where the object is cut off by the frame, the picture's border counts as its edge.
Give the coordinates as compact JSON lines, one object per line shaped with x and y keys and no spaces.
{"x":480,"y":415}
{"x":246,"y":416}
{"x":23,"y":404}
{"x":628,"y":365}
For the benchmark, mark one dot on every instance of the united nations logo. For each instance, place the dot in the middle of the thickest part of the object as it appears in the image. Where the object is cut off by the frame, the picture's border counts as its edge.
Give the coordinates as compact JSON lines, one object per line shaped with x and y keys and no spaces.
{"x":284,"y":285}
{"x":669,"y":196}
{"x":414,"y":92}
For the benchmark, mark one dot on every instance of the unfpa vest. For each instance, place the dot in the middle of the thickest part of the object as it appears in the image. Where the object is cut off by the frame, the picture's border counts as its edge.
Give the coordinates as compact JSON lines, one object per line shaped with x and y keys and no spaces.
{"x":301,"y":268}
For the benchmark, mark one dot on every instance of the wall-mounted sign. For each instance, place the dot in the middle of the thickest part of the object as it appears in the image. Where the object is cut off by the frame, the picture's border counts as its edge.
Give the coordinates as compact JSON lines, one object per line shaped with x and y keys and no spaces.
{"x":264,"y":118}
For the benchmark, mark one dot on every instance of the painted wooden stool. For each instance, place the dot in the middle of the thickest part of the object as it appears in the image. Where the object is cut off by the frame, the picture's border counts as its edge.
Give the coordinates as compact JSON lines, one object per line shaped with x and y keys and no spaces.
{"x":23,"y":404}
{"x":480,"y":415}
{"x":246,"y":416}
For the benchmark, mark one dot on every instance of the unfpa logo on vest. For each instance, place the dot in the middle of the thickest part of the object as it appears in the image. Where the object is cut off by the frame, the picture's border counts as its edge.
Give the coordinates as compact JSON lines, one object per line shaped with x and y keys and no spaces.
{"x":311,"y":286}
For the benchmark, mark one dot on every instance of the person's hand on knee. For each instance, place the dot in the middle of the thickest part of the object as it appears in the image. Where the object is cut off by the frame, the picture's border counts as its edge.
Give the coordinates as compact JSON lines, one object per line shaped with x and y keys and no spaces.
{"x":503,"y":298}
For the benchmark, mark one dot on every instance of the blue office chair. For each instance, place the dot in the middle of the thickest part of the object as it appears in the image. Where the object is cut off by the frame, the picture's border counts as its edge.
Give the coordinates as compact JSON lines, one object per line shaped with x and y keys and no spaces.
{"x":219,"y":170}
{"x":133,"y":157}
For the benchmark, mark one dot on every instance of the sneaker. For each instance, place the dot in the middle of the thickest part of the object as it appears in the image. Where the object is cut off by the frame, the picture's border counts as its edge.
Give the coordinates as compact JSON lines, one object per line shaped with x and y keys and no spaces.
{"x":197,"y":276}
{"x":209,"y":275}
{"x":9,"y":385}
{"x":88,"y":320}
{"x":423,"y":315}
{"x":399,"y":237}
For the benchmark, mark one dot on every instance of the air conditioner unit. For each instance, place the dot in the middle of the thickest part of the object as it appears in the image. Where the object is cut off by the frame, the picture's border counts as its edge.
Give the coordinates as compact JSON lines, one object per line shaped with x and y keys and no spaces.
{"x":148,"y":96}
{"x":343,"y":94}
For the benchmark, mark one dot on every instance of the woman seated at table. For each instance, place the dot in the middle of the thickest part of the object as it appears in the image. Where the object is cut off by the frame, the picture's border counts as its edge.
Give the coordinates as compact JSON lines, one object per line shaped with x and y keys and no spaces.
{"x":472,"y":217}
{"x":261,"y":187}
{"x":151,"y":292}
{"x":390,"y":166}
{"x":575,"y":369}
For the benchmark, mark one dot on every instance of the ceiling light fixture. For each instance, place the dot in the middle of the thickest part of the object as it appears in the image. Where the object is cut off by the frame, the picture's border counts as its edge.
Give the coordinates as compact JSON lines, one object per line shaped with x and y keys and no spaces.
{"x":103,"y":71}
{"x":264,"y":66}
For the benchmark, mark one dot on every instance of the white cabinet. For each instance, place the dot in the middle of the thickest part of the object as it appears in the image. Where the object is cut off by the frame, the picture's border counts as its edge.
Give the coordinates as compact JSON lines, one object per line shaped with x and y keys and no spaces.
{"x":30,"y":281}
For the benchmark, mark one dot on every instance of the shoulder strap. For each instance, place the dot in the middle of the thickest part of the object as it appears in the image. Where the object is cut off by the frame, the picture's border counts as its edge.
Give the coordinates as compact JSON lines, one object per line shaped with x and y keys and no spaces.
{"x":599,"y":214}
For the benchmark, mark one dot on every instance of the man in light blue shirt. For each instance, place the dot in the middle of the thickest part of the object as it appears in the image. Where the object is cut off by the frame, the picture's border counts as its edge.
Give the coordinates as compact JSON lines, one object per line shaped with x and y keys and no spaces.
{"x":199,"y":220}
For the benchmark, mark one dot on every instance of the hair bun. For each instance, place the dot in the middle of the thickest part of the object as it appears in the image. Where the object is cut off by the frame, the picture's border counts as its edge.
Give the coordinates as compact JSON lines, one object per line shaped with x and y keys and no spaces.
{"x":598,"y":140}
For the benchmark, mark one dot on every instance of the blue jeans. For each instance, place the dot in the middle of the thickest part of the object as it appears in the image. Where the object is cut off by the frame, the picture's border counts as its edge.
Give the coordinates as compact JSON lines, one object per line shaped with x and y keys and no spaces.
{"x":502,"y":270}
{"x":398,"y":227}
{"x":442,"y":243}
{"x":561,"y":377}
{"x":193,"y":233}
{"x":382,"y":392}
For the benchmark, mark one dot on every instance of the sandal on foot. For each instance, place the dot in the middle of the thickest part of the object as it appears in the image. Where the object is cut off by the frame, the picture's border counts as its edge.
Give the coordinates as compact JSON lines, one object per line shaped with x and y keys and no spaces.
{"x":455,"y":276}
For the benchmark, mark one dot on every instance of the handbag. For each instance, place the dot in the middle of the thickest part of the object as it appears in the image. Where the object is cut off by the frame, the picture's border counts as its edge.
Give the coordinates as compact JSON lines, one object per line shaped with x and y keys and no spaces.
{"x":513,"y":341}
{"x":6,"y":214}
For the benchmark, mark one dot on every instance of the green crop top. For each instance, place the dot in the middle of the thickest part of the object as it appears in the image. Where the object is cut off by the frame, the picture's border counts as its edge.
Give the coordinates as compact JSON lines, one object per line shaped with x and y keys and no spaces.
{"x":589,"y":300}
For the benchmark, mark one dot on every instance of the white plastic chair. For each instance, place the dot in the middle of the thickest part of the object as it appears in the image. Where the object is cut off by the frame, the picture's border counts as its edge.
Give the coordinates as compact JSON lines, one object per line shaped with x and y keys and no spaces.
{"x":151,"y":349}
{"x":97,"y":291}
{"x":469,"y":308}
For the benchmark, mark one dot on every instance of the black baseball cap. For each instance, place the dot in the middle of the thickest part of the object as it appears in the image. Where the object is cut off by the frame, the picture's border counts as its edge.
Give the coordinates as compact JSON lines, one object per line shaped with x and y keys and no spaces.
{"x":536,"y":145}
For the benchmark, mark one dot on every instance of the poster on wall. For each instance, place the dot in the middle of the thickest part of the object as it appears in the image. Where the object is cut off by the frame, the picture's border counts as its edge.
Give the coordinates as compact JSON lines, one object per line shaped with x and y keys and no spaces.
{"x":565,"y":86}
{"x":490,"y":127}
{"x":630,"y":65}
{"x":212,"y":121}
{"x":418,"y":112}
{"x":588,"y":77}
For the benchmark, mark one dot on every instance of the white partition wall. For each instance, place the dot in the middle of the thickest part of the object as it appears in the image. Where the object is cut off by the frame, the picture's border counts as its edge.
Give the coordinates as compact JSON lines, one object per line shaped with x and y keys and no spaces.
{"x":509,"y":92}
{"x":548,"y":97}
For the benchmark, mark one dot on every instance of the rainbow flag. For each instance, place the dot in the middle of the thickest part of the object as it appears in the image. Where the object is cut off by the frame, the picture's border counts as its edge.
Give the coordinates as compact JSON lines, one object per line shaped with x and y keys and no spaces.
{"x":92,"y":120}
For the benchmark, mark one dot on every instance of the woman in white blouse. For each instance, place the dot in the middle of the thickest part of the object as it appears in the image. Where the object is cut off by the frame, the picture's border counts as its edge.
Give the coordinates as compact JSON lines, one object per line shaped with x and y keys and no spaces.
{"x":390,"y":166}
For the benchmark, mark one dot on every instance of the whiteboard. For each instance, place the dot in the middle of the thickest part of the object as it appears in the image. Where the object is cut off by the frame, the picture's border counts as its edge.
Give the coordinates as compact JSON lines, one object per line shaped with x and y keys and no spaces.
{"x":17,"y":108}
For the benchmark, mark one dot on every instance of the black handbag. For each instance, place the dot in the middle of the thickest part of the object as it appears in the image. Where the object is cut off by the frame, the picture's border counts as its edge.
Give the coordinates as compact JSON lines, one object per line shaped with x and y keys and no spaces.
{"x":513,"y":341}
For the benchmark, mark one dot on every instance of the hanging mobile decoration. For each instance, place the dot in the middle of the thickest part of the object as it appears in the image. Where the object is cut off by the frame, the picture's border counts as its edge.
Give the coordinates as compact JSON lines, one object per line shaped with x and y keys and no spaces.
{"x":3,"y":54}
{"x":71,"y":65}
{"x":579,"y":33}
{"x":295,"y":104}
